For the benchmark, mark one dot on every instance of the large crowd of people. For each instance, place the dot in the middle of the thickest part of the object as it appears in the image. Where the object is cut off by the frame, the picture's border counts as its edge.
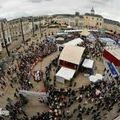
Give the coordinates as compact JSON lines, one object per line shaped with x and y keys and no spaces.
{"x":93,"y":101}
{"x":20,"y":70}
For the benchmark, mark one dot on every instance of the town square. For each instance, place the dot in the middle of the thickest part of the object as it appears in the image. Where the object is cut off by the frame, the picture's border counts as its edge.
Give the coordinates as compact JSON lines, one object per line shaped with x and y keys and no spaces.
{"x":60,"y":66}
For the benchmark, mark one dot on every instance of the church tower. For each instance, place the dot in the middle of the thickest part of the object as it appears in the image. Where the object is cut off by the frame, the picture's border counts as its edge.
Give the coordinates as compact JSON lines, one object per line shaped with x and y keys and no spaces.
{"x":92,"y":11}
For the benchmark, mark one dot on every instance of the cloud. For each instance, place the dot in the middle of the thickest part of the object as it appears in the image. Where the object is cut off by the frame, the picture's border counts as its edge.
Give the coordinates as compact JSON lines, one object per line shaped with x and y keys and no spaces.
{"x":38,"y":1}
{"x":16,"y":8}
{"x":101,"y":3}
{"x":35,"y":1}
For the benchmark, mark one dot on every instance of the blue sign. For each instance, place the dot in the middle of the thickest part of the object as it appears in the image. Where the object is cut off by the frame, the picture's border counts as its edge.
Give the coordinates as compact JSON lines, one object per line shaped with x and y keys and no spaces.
{"x":113,"y":69}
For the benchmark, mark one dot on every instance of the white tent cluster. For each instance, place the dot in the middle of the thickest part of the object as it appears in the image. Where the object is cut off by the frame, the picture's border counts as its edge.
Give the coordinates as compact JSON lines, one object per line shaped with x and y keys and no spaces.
{"x":71,"y":54}
{"x":108,"y":41}
{"x":88,"y":63}
{"x":95,"y":78}
{"x":65,"y":73}
{"x":73,"y":42}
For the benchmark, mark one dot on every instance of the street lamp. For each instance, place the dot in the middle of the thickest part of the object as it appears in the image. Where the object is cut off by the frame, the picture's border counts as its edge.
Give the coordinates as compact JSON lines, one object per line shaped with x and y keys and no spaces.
{"x":40,"y":34}
{"x":22,"y":33}
{"x":33,"y":29}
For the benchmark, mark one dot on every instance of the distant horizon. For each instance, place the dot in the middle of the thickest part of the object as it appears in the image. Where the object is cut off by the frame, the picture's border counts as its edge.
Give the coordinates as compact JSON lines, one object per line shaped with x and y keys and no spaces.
{"x":59,"y":14}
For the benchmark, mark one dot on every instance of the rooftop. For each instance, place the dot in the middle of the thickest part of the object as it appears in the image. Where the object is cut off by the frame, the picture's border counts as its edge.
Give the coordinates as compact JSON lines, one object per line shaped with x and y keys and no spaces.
{"x":94,"y":15}
{"x":73,"y":42}
{"x":64,"y":15}
{"x":67,"y":15}
{"x":111,"y":22}
{"x":72,"y":54}
{"x":114,"y":50}
{"x":66,"y":73}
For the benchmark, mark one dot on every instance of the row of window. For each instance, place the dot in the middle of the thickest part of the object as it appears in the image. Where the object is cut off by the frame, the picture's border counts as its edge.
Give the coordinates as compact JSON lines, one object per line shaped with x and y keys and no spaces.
{"x":18,"y":25}
{"x":100,"y":19}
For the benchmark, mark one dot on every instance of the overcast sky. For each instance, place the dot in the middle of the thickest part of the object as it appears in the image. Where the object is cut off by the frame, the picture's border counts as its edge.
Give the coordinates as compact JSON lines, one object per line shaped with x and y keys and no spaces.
{"x":16,"y":8}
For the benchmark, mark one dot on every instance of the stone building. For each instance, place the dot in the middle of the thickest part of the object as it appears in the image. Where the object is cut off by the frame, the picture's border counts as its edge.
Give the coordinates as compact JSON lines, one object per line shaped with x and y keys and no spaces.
{"x":111,"y":25}
{"x":69,"y":19}
{"x":4,"y":24}
{"x":89,"y":20}
{"x":92,"y":20}
{"x":15,"y":27}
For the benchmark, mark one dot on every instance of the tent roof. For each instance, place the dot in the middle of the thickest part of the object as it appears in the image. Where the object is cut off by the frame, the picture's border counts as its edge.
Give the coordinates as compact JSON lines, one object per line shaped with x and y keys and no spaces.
{"x":88,"y":63}
{"x":79,"y":30}
{"x":91,"y":37}
{"x":95,"y":78}
{"x":109,"y":41}
{"x":60,"y":39}
{"x":66,"y":73}
{"x":68,"y":31}
{"x":114,"y":50}
{"x":85,"y":32}
{"x":73,"y":42}
{"x":72,"y":54}
{"x":69,"y":26}
{"x":61,"y":33}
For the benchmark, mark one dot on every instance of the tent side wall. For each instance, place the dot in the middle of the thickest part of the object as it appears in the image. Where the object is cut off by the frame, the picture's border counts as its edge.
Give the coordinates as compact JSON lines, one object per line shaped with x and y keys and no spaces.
{"x":111,"y":58}
{"x":60,"y":79}
{"x":68,"y":64}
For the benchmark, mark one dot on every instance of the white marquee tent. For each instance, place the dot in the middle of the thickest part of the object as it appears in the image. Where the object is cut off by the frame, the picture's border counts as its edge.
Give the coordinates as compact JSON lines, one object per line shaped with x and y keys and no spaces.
{"x":65,"y":74}
{"x":73,"y":42}
{"x":88,"y":63}
{"x":95,"y":78}
{"x":72,"y":54}
{"x":108,"y":41}
{"x":85,"y":32}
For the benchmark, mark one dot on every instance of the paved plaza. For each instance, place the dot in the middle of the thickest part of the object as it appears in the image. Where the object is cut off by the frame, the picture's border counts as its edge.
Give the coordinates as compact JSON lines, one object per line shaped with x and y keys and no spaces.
{"x":59,"y":60}
{"x":35,"y":105}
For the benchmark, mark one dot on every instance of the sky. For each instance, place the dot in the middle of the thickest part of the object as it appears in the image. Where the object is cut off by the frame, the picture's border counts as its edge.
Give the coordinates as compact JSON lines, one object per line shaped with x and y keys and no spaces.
{"x":11,"y":9}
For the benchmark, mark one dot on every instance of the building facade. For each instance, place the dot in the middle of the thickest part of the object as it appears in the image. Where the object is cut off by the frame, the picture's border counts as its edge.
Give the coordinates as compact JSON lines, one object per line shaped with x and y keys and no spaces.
{"x":69,"y":19}
{"x":88,"y":20}
{"x":92,"y":20}
{"x":4,"y":30}
{"x":15,"y":27}
{"x":111,"y":25}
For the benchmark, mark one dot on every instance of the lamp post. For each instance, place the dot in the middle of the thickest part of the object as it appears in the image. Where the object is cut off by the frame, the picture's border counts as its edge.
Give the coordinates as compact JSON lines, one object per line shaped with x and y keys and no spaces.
{"x":4,"y":39}
{"x":22,"y":33}
{"x":40,"y":34}
{"x":33,"y":29}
